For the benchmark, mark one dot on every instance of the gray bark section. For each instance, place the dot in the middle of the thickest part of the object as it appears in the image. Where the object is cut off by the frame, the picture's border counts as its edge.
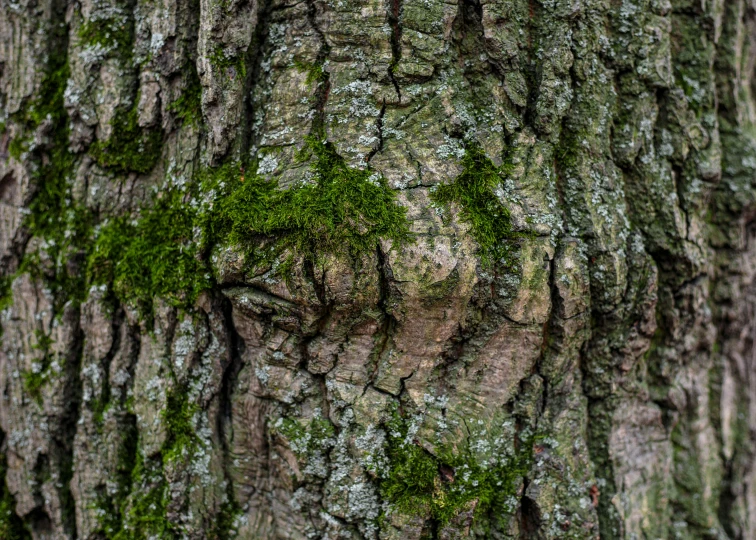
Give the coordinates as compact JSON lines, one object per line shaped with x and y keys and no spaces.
{"x":624,"y":338}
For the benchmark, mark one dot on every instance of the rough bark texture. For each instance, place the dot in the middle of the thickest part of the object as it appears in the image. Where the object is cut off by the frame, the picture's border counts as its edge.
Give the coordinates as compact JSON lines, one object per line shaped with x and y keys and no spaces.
{"x":392,"y":269}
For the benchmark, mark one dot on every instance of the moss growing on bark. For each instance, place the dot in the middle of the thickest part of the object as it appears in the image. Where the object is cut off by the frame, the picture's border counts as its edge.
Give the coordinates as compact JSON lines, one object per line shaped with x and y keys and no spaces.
{"x":225,"y":524}
{"x":36,"y":378}
{"x":52,"y":211}
{"x":339,"y":210}
{"x":315,"y":71}
{"x":64,"y":227}
{"x":442,"y":486}
{"x":179,"y":421}
{"x":115,"y":35}
{"x":33,"y":382}
{"x":130,"y":147}
{"x":11,"y":526}
{"x":220,"y":59}
{"x":111,"y":506}
{"x":152,"y":256}
{"x":188,"y":106}
{"x":489,"y":220}
{"x":144,"y":514}
{"x":306,"y":440}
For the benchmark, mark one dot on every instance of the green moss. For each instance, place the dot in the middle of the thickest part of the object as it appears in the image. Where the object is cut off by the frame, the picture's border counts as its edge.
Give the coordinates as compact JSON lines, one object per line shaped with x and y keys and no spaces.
{"x":6,"y":293}
{"x":34,"y":380}
{"x":442,"y":486}
{"x":11,"y":525}
{"x":188,"y":106}
{"x":221,"y":60}
{"x":65,"y":227}
{"x":130,"y":148}
{"x":153,"y":256}
{"x":49,"y":103}
{"x":113,"y":34}
{"x":341,"y":211}
{"x":17,"y":147}
{"x":145,"y":515}
{"x":159,"y":253}
{"x":52,"y":199}
{"x":315,"y":71}
{"x":179,"y":421}
{"x":306,"y":440}
{"x":99,"y":408}
{"x":137,"y":510}
{"x":489,"y":220}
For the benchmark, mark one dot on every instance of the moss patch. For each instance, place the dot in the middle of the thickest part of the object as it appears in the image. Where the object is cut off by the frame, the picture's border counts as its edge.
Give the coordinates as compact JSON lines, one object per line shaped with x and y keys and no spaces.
{"x":64,"y":227}
{"x":111,"y":507}
{"x":489,"y":220}
{"x":443,"y":486}
{"x":306,"y":440}
{"x":179,"y":421}
{"x":315,"y":71}
{"x":150,"y":257}
{"x":188,"y":106}
{"x":145,"y":514}
{"x":340,"y":210}
{"x":11,"y":526}
{"x":221,"y":60}
{"x":116,"y":35}
{"x":34,"y":380}
{"x":130,"y":147}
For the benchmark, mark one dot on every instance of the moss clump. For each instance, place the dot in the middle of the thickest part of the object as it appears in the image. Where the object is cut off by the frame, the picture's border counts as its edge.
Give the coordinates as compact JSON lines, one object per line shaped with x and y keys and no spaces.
{"x":6,"y":294}
{"x":144,"y":514}
{"x":54,"y":217}
{"x":221,"y":60}
{"x":442,"y":486}
{"x":188,"y":106}
{"x":306,"y":440}
{"x":153,"y":256}
{"x":34,"y":380}
{"x":16,"y":148}
{"x":315,"y":71}
{"x":225,"y":524}
{"x":474,"y":191}
{"x":11,"y":526}
{"x":112,"y":34}
{"x":130,"y":148}
{"x":179,"y":421}
{"x":63,"y":227}
{"x":341,"y":210}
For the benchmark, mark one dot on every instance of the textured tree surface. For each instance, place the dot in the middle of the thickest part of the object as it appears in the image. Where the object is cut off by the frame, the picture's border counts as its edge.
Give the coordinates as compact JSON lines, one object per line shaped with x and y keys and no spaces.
{"x":380,"y":269}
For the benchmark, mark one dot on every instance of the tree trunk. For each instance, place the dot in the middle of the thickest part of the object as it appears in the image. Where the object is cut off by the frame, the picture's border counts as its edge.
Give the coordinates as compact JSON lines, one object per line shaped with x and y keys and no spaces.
{"x":393,"y":269}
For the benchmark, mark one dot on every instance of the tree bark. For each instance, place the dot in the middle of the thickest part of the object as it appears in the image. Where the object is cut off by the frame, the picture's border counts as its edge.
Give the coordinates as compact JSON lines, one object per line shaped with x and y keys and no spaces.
{"x":393,"y":269}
